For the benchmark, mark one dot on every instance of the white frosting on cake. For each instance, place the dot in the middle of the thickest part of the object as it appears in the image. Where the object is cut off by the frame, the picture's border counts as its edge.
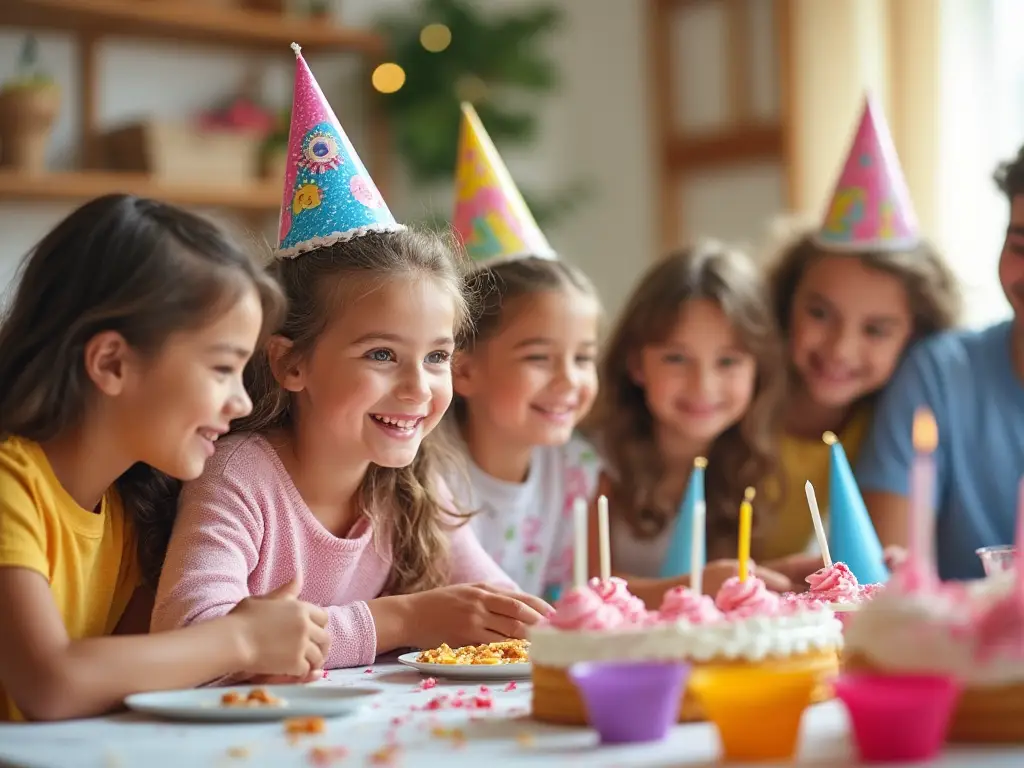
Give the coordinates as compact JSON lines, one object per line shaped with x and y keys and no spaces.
{"x":933,"y":632}
{"x":750,"y":639}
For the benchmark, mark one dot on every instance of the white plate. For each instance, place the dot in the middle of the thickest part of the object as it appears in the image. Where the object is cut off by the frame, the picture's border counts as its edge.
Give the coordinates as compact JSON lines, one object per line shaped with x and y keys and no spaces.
{"x":468,"y":671}
{"x":298,"y":701}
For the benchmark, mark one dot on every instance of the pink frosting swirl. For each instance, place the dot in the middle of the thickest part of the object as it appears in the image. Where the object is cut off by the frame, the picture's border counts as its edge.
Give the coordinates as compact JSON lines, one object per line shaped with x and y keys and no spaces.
{"x":615,"y":592}
{"x":683,"y":603}
{"x":582,"y":609}
{"x":835,"y":585}
{"x":746,"y":598}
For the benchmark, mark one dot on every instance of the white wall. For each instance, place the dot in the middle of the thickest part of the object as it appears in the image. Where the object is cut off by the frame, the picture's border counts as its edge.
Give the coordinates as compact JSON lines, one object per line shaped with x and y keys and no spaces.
{"x":596,"y":128}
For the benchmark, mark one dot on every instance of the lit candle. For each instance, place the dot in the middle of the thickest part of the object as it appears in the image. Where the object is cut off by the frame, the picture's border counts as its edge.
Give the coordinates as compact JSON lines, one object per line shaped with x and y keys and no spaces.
{"x":602,"y":538}
{"x":819,"y":529}
{"x":580,"y":550}
{"x":697,"y":534}
{"x":746,"y":523}
{"x":925,"y":437}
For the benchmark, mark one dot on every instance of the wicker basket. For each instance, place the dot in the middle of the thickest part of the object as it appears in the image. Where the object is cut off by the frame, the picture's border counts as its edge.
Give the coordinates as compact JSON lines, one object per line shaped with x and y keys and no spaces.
{"x":178,"y":152}
{"x":27,"y":116}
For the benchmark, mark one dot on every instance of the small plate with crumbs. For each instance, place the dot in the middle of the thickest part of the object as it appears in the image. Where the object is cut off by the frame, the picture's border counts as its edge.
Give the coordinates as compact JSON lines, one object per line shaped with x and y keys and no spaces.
{"x":505,"y":660}
{"x":248,"y":703}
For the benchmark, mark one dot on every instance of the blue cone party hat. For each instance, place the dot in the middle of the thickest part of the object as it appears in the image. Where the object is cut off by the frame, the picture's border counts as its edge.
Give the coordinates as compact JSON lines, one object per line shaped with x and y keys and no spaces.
{"x":851,"y":534}
{"x":328,"y":195}
{"x":677,"y":560}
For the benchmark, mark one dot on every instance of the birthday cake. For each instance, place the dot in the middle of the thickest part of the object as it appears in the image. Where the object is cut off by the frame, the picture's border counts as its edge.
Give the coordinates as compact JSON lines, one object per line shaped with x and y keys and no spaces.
{"x":836,"y":587}
{"x":972,"y":632}
{"x":745,"y":625}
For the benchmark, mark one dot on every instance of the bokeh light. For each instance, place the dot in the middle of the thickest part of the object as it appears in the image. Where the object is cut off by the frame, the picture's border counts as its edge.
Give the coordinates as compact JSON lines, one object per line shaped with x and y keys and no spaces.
{"x":435,"y":37}
{"x":471,"y":88}
{"x":388,"y":77}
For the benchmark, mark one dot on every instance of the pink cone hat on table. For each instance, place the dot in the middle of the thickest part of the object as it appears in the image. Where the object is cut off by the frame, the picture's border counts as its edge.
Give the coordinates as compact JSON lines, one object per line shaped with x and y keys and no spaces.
{"x":490,"y":215}
{"x":328,"y":195}
{"x":870,"y":207}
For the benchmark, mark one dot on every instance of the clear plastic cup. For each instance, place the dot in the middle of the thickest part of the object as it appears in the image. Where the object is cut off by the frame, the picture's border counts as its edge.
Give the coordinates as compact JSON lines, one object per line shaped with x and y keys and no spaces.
{"x":998,"y":559}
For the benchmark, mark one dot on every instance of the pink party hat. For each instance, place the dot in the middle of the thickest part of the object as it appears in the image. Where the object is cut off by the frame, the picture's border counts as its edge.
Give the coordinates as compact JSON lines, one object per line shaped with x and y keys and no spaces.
{"x":491,"y":216}
{"x":870,"y":208}
{"x":328,"y":195}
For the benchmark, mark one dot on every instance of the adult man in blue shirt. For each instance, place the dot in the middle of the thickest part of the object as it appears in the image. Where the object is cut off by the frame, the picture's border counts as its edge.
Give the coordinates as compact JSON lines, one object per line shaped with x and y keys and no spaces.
{"x":973,"y":381}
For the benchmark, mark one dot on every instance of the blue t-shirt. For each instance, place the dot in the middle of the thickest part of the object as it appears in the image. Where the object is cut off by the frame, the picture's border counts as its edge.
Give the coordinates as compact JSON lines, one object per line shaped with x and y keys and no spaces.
{"x":968,"y":381}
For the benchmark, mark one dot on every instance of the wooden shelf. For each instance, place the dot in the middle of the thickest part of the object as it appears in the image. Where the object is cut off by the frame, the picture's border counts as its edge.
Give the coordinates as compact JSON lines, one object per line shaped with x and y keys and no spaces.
{"x":187,"y":20}
{"x":730,"y":146}
{"x":79,"y":186}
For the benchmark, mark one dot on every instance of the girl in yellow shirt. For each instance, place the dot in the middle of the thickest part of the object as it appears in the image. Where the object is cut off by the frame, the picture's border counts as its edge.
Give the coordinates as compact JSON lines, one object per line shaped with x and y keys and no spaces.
{"x":121,"y":362}
{"x":849,"y":297}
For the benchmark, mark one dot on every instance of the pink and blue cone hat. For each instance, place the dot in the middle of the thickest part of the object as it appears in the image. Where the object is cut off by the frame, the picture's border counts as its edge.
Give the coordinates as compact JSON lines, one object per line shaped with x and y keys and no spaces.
{"x":328,"y":195}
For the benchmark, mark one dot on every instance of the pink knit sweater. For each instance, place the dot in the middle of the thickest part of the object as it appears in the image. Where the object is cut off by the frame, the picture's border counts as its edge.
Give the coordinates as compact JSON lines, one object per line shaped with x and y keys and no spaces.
{"x":243,"y":529}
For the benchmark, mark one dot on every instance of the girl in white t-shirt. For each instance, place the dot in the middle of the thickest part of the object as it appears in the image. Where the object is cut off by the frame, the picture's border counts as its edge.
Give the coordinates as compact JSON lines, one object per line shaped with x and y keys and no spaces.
{"x":523,"y":382}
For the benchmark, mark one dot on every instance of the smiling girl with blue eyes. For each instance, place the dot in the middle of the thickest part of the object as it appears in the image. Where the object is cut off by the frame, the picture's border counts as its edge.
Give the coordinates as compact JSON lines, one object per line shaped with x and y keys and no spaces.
{"x":337,"y":475}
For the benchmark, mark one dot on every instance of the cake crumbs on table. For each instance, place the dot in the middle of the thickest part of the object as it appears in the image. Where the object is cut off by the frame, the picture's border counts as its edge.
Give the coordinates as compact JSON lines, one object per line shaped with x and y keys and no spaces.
{"x":239,"y":753}
{"x":304,"y":726}
{"x":368,"y":671}
{"x":326,"y":756}
{"x":426,"y":685}
{"x":387,"y":755}
{"x":510,"y":687}
{"x":525,"y":739}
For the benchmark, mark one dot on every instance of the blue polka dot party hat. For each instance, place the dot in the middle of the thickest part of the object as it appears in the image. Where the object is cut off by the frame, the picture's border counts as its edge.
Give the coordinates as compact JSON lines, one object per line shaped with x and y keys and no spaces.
{"x":870,"y":207}
{"x":328,"y":195}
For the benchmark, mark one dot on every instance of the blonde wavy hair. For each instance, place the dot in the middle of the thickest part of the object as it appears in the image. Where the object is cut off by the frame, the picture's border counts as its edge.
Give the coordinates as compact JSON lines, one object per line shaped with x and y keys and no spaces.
{"x":403,"y":502}
{"x":745,"y":454}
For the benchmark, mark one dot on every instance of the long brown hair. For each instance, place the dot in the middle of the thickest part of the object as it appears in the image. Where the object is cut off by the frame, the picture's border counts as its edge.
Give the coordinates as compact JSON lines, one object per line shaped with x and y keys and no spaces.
{"x":933,"y":292}
{"x":126,"y":264}
{"x":403,"y":501}
{"x":744,"y":455}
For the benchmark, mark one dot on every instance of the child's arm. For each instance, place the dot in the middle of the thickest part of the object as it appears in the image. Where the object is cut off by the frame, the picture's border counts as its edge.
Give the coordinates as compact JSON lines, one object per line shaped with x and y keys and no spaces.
{"x":48,"y":676}
{"x":214,"y":548}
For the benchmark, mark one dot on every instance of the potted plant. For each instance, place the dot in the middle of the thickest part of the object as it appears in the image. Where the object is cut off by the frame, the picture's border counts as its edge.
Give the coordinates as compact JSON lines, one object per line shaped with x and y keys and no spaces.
{"x":29,"y":104}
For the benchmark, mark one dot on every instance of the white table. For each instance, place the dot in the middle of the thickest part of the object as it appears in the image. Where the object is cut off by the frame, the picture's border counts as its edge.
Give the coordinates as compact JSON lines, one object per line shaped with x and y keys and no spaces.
{"x":502,"y":736}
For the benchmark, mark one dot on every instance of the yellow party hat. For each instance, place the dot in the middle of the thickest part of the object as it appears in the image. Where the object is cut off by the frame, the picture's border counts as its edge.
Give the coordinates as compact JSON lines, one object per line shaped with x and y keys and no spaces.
{"x":491,"y":216}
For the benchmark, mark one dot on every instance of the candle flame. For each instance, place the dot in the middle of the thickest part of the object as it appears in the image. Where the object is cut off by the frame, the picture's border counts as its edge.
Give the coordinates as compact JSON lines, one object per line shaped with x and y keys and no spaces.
{"x":925,"y":432}
{"x":829,"y":438}
{"x":748,"y":495}
{"x":700,"y":462}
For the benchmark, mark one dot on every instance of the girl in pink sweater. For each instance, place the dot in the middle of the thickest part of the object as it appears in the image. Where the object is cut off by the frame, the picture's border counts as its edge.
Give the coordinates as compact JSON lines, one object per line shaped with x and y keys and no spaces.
{"x":335,"y":474}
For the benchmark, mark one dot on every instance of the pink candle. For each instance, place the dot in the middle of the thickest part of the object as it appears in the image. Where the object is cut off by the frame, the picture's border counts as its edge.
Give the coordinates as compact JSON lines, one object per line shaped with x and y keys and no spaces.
{"x":920,"y":565}
{"x":1018,"y":542}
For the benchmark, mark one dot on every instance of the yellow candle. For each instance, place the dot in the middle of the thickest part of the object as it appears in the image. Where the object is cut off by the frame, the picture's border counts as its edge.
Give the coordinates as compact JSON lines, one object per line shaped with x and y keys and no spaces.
{"x":746,"y":520}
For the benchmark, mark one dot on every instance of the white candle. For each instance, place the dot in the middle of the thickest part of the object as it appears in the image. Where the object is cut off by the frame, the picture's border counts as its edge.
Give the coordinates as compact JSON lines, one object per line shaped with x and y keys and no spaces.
{"x":580,"y":550}
{"x":819,"y":529}
{"x":602,"y":538}
{"x":697,"y":548}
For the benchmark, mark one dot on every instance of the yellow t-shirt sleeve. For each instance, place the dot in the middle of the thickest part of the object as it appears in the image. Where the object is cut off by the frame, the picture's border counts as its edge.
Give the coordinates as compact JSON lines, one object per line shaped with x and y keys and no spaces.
{"x":22,"y":530}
